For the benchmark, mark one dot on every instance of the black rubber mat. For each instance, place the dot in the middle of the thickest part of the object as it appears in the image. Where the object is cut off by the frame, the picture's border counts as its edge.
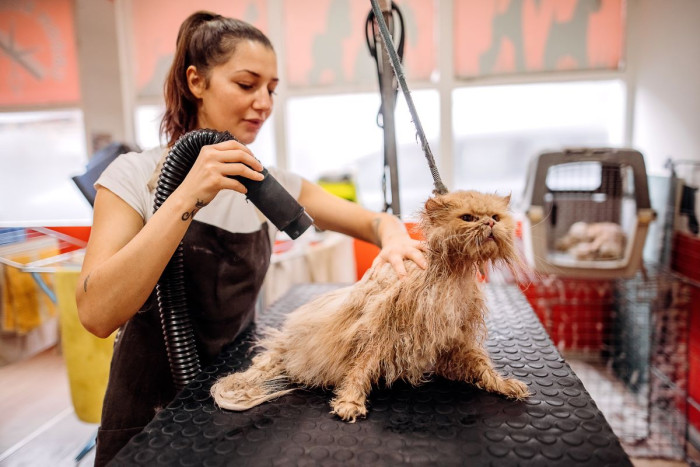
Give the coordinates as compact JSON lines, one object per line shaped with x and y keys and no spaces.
{"x":440,"y":423}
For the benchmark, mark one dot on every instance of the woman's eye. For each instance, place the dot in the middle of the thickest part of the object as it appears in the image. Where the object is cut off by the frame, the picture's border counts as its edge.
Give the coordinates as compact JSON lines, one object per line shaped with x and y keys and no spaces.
{"x":496,"y":217}
{"x":467,"y":218}
{"x":247,"y":87}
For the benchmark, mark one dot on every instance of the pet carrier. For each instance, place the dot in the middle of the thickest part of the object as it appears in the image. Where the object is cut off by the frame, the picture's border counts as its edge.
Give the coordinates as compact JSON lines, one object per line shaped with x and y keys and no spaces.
{"x":587,"y":212}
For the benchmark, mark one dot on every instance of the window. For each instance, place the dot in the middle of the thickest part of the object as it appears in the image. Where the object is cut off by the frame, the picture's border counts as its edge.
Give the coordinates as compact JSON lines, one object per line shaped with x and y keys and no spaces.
{"x":499,"y":129}
{"x":41,"y":152}
{"x":339,"y":133}
{"x":147,"y":122}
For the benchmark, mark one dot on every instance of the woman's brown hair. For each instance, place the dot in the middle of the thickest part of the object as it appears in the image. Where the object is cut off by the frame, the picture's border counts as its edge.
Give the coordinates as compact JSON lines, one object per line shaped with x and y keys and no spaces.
{"x":205,"y":40}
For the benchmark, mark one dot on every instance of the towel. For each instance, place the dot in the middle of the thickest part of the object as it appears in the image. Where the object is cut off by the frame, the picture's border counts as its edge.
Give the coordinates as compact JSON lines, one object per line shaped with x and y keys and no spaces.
{"x":23,"y":305}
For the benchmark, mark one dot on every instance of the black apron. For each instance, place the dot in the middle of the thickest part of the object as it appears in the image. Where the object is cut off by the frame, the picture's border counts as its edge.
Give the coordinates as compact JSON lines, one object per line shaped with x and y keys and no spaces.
{"x":224,"y":272}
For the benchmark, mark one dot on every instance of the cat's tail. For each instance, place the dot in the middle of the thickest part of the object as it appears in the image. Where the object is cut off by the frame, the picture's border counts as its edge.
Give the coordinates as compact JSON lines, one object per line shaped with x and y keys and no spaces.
{"x":262,"y":381}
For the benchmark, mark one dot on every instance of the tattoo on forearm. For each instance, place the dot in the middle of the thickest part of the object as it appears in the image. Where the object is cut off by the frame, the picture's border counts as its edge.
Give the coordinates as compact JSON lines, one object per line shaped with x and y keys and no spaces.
{"x":197,"y":206}
{"x":85,"y":283}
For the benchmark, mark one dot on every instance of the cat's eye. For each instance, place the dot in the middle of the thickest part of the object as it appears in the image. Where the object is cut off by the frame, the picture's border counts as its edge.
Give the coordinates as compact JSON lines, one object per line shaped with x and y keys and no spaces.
{"x":468,"y":218}
{"x":496,"y":217}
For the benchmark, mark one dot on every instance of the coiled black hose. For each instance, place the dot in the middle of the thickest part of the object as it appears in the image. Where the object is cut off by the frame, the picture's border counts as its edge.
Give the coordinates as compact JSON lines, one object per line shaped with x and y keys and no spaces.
{"x":267,"y":195}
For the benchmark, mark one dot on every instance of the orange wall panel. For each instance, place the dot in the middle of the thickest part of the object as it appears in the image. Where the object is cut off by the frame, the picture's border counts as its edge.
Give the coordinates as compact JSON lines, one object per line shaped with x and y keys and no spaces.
{"x":38,"y":57}
{"x":495,"y":37}
{"x":325,"y":41}
{"x":155,"y":24}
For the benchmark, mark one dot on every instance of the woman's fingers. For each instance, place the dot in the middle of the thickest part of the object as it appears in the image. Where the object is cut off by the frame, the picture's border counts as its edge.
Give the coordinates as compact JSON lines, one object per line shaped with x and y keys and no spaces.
{"x":397,"y":253}
{"x":231,"y":144}
{"x":214,"y":168}
{"x":397,"y":263}
{"x":235,"y":185}
{"x":418,"y":258}
{"x":240,"y":169}
{"x":237,"y":160}
{"x":233,"y":151}
{"x":231,"y":158}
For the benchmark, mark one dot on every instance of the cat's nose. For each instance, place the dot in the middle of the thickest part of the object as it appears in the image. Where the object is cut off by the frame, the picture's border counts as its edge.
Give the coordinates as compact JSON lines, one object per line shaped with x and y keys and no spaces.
{"x":490,"y":222}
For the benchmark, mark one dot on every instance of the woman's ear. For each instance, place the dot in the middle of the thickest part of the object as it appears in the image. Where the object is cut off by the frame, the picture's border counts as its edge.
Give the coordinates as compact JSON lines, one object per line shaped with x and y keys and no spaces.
{"x":195,"y":81}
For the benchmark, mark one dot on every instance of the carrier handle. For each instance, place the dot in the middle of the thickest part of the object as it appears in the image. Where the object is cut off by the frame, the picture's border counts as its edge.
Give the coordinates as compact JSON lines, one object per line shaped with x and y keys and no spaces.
{"x":630,"y":157}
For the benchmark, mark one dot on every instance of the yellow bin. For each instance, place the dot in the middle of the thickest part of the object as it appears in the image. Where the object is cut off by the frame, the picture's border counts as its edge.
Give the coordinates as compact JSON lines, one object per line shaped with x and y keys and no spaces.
{"x":87,"y":356}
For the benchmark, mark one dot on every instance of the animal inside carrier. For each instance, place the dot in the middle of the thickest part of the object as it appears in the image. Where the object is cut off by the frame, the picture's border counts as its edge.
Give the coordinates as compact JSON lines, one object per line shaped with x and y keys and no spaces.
{"x":587,"y":212}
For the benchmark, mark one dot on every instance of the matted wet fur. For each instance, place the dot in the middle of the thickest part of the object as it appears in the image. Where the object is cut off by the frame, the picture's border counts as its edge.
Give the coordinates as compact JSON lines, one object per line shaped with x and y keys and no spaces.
{"x":385,"y":329}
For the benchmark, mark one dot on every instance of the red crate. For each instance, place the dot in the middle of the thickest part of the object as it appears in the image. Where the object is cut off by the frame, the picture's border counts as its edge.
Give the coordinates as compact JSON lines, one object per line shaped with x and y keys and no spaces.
{"x":575,"y":312}
{"x":685,"y":256}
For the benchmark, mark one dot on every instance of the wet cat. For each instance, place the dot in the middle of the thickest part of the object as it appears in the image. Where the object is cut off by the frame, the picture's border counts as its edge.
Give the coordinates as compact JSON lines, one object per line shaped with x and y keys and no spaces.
{"x":386,"y":329}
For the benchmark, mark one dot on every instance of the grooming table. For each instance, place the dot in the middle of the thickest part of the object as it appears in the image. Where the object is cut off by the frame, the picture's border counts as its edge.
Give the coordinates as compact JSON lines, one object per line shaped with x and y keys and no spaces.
{"x":438,"y":423}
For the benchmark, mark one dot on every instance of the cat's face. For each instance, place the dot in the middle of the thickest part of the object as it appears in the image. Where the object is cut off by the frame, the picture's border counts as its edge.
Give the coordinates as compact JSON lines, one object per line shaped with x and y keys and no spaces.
{"x":470,"y":225}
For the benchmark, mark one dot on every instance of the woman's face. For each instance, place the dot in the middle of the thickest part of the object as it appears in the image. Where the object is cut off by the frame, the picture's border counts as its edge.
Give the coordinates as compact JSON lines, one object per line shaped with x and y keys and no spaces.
{"x":238,"y":97}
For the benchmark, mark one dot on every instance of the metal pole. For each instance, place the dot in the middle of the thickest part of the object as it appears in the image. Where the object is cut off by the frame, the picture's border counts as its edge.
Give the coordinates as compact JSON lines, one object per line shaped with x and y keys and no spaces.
{"x":439,"y":187}
{"x":388,"y":105}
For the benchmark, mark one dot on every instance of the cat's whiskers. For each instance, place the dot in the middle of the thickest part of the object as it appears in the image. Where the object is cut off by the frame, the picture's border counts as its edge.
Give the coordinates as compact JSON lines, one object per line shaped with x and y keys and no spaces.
{"x":545,"y":218}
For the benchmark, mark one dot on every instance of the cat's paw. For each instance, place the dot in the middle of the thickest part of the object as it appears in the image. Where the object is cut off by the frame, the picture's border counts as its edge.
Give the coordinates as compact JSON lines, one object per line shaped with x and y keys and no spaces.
{"x":349,"y":411}
{"x":515,"y":389}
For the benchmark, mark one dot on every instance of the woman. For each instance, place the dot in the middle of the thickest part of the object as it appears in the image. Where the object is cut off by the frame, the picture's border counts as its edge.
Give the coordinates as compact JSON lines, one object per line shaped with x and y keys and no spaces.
{"x":223,"y":77}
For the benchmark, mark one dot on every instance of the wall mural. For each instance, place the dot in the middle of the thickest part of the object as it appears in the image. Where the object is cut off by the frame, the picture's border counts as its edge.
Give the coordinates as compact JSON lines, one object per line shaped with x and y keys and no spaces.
{"x":154,"y":28}
{"x":38,"y":59}
{"x":325,"y":41}
{"x":519,"y":36}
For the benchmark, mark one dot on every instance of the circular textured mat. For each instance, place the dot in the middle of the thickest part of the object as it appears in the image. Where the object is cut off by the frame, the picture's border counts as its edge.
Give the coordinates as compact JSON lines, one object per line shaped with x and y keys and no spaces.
{"x":439,"y":423}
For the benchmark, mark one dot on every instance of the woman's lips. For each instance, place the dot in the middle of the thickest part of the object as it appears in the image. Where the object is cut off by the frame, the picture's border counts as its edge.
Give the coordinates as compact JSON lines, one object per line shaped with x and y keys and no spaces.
{"x":254,"y":124}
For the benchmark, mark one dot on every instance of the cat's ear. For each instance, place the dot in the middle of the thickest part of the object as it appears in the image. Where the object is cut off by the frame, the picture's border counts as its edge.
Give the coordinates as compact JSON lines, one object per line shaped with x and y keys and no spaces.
{"x":437,"y":208}
{"x":506,"y":199}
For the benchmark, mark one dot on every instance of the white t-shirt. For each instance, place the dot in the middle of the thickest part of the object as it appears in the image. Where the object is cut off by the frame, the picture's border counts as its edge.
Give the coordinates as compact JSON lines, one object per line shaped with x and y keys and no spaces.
{"x":128,"y":178}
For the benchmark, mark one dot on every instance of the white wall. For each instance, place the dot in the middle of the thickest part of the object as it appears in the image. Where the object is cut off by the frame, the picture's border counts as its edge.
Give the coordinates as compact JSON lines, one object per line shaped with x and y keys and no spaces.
{"x":101,"y":77}
{"x":664,"y":75}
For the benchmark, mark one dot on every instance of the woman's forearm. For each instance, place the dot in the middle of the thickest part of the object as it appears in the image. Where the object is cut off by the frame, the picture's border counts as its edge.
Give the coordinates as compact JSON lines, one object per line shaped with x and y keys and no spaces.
{"x":387,"y":226}
{"x":120,"y":274}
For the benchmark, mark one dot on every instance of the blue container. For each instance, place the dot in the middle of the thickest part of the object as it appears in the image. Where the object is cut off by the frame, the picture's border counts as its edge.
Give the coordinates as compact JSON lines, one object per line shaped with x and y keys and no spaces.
{"x":12,"y":235}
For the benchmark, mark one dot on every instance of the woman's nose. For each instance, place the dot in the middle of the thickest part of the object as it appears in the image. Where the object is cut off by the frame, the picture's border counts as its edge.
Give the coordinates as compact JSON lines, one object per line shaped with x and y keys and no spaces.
{"x":263,"y":100}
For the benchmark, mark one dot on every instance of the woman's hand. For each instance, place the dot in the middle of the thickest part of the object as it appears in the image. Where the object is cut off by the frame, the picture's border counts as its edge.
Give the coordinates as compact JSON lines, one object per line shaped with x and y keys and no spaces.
{"x":213,"y":168}
{"x":397,"y":245}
